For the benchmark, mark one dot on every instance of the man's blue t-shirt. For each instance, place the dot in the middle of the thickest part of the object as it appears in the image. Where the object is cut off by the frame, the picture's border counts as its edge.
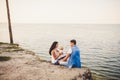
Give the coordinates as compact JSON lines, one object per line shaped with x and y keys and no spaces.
{"x":74,"y":60}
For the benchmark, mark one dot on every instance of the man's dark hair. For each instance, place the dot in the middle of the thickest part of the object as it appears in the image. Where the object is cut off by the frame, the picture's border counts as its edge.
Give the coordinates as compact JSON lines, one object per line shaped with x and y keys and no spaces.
{"x":73,"y":41}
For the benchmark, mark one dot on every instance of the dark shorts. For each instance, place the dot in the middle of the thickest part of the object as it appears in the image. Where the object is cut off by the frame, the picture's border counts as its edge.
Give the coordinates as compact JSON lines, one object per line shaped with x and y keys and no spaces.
{"x":57,"y":62}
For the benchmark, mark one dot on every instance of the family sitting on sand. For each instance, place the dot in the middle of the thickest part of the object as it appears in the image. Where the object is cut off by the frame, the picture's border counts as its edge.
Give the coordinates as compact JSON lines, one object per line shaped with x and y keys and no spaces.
{"x":71,"y":59}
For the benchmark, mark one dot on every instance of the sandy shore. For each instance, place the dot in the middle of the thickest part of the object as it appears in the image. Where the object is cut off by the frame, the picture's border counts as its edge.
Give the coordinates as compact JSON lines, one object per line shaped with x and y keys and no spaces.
{"x":20,"y":64}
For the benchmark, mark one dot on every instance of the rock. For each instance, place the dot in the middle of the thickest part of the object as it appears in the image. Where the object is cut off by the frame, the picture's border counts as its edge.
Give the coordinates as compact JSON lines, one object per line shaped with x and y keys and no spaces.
{"x":29,"y":52}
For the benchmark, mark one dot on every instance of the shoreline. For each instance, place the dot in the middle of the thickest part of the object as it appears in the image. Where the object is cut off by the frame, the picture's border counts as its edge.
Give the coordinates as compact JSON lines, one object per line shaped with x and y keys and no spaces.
{"x":17,"y":63}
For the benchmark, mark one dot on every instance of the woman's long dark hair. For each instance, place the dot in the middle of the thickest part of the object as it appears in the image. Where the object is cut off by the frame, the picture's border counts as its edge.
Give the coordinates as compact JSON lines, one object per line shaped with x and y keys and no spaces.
{"x":53,"y":46}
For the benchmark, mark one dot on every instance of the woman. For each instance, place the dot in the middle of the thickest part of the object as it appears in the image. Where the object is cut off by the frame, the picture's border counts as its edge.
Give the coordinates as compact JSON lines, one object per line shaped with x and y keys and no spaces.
{"x":53,"y":51}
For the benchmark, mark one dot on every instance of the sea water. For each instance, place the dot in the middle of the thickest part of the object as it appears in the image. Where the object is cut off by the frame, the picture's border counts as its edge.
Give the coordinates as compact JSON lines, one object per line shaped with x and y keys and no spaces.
{"x":99,"y":43}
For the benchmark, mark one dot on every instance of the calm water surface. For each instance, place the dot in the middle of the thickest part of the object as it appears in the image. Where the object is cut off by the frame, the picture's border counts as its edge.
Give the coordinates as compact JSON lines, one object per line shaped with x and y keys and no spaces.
{"x":99,"y":44}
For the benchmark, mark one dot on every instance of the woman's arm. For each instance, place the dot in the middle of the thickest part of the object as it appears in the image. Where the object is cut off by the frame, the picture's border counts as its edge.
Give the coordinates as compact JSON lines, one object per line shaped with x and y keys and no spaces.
{"x":54,"y":55}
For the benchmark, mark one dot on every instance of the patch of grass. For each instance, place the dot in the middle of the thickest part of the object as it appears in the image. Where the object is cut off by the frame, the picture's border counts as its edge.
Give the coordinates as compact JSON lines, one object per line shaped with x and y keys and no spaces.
{"x":2,"y":43}
{"x":18,"y":49}
{"x":7,"y":47}
{"x":4,"y":58}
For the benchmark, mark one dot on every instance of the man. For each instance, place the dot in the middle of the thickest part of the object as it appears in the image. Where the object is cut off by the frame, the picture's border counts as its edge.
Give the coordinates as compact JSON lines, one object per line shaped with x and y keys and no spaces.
{"x":72,"y":58}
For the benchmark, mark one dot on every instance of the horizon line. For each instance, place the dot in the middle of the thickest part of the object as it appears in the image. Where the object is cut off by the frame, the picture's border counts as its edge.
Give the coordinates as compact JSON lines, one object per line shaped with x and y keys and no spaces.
{"x":55,"y":23}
